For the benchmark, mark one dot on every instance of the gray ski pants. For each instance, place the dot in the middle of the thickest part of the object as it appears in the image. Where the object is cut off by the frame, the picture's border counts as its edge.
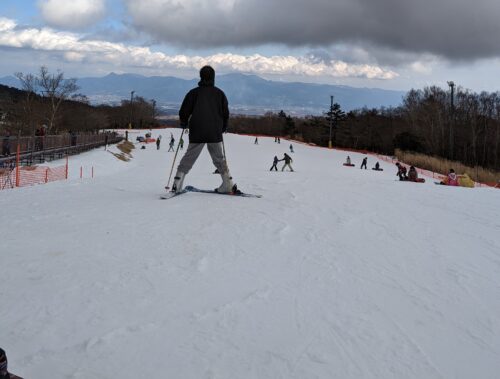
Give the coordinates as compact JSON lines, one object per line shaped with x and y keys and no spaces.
{"x":193,"y":152}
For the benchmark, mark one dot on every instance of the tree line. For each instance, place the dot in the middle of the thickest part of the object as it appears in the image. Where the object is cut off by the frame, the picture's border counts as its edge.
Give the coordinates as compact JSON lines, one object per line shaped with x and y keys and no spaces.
{"x":51,"y":101}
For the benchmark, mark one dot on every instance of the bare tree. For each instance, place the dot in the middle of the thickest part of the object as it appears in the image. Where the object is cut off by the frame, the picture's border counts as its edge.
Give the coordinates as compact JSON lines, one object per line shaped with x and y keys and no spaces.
{"x":29,"y":84}
{"x":56,"y":89}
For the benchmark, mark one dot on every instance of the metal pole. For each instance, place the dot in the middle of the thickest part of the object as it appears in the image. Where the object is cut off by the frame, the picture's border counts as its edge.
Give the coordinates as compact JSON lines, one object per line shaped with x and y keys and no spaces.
{"x":167,"y":187}
{"x":330,"y":145}
{"x":452,"y":121}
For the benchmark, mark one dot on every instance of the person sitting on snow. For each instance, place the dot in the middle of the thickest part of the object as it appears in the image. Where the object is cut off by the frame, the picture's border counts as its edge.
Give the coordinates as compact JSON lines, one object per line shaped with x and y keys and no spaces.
{"x":348,"y":160}
{"x":412,"y":174}
{"x":401,"y":171}
{"x":451,"y":179}
{"x":377,"y":167}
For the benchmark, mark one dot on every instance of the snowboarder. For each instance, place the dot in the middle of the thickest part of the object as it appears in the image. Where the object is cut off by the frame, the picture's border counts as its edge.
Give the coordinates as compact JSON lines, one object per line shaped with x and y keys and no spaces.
{"x":279,"y":140}
{"x":171,"y":144}
{"x":275,"y":139}
{"x":401,"y":171}
{"x":158,"y":141}
{"x":412,"y":174}
{"x":291,"y":148}
{"x":205,"y":111}
{"x":364,"y":163}
{"x":288,"y":160}
{"x":181,"y":143}
{"x":348,"y":160}
{"x":106,"y":140}
{"x":256,"y":141}
{"x":275,"y":163}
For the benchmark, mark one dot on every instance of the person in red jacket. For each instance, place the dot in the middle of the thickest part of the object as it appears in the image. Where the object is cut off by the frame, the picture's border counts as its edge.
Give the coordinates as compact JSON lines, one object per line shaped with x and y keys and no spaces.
{"x":452,"y":178}
{"x":401,"y":171}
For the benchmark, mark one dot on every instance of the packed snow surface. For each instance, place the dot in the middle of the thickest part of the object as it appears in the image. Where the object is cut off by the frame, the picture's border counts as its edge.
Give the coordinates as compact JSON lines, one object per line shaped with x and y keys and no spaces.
{"x":335,"y":273}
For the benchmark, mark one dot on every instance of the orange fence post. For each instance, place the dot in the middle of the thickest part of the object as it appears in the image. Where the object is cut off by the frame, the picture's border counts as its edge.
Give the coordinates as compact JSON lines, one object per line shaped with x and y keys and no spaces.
{"x":18,"y":159}
{"x":47,"y":175}
{"x":66,"y":173}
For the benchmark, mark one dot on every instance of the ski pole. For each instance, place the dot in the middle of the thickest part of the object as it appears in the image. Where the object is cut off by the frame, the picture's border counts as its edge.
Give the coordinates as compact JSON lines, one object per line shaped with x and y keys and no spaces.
{"x":167,"y":187}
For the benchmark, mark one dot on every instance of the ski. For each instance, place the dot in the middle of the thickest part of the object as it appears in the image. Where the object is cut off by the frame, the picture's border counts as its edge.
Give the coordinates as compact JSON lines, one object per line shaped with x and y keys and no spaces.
{"x":237,"y":193}
{"x":170,"y":195}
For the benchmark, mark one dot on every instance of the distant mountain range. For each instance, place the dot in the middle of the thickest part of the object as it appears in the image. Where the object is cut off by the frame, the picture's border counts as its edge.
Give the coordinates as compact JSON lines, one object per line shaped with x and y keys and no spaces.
{"x":247,"y":94}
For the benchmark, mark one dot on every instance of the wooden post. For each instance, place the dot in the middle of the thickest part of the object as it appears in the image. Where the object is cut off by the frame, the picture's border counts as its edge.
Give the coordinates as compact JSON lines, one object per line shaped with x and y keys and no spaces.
{"x":47,"y":175}
{"x":92,"y":172}
{"x":67,"y":166}
{"x":81,"y":172}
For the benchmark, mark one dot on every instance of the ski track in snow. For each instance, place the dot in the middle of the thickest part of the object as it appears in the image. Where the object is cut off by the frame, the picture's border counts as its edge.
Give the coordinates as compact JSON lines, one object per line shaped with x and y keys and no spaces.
{"x":334,"y":273}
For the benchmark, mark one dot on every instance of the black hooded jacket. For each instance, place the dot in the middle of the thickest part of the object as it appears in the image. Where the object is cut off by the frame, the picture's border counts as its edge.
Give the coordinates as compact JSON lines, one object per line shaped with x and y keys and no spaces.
{"x":205,"y":112}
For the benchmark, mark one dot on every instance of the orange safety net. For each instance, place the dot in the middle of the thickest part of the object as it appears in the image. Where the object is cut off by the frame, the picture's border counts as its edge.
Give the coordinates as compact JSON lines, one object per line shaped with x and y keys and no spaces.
{"x":28,"y":176}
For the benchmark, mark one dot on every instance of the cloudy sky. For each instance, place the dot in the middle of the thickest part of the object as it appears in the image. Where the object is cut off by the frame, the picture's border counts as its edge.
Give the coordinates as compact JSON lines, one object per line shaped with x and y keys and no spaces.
{"x":395,"y":44}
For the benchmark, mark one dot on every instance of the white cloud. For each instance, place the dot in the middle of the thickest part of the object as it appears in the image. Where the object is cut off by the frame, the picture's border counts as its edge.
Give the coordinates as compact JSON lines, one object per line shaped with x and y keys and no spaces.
{"x":72,"y":14}
{"x":6,"y":24}
{"x":75,"y":49}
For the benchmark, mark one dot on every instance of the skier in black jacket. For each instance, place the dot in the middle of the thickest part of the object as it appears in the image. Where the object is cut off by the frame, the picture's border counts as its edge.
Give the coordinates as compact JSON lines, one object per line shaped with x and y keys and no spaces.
{"x":364,"y":163}
{"x":288,"y":161}
{"x":205,"y":112}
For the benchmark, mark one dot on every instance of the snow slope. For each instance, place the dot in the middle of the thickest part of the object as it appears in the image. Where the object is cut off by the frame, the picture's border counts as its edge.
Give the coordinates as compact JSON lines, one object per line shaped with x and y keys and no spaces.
{"x":334,"y":273}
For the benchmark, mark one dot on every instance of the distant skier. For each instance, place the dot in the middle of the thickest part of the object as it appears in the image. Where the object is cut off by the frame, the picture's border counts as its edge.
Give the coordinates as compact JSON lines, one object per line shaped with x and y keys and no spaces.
{"x":364,"y":163}
{"x":291,"y":148}
{"x":205,"y":111}
{"x":256,"y":141}
{"x":181,"y":143}
{"x":401,"y":171}
{"x":158,"y":141}
{"x":279,"y":140}
{"x":288,"y":160}
{"x":275,"y":139}
{"x":171,"y":144}
{"x":275,"y":164}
